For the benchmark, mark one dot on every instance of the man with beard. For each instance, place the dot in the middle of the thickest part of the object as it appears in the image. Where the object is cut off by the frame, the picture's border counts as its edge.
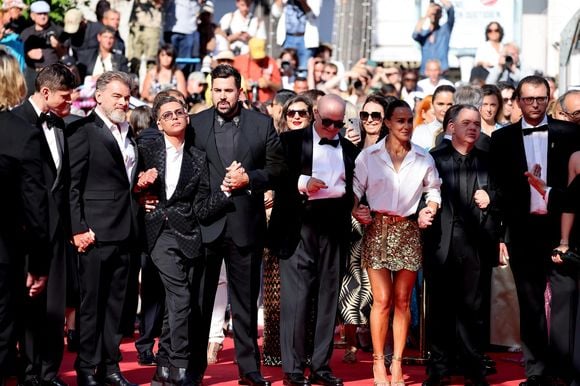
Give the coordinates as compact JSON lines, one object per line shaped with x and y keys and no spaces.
{"x":103,"y":159}
{"x":42,"y":343}
{"x":242,"y":147}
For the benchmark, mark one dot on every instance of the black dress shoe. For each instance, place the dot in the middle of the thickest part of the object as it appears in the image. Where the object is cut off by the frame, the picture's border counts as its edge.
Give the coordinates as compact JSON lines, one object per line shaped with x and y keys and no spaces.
{"x":87,"y":380}
{"x":436,"y":380}
{"x":326,"y":379}
{"x":72,"y":341}
{"x":56,"y":381}
{"x":146,"y":358}
{"x":476,"y":382}
{"x":253,"y":379}
{"x":295,"y":379}
{"x":181,"y":377}
{"x":161,"y":376}
{"x":534,"y":380}
{"x":117,"y":379}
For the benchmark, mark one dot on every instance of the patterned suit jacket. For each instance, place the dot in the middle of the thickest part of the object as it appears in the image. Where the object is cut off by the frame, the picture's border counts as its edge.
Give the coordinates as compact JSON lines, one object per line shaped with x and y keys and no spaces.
{"x":192,"y":202}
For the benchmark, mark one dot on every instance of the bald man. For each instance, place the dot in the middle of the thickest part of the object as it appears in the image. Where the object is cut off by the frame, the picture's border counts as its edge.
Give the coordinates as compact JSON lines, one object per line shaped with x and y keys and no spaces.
{"x":309,"y":231}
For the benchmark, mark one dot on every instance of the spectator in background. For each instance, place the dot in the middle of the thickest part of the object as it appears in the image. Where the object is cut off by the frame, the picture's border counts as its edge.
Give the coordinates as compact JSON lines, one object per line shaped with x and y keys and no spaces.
{"x":288,"y":63}
{"x":102,"y":58}
{"x":165,"y":75}
{"x":434,"y":78}
{"x":433,"y":37}
{"x":145,"y":33}
{"x":509,"y":68}
{"x":196,"y":87}
{"x":298,"y":26}
{"x":570,"y":103}
{"x":487,"y":55}
{"x":241,"y":25}
{"x":507,"y":96}
{"x":490,"y":110}
{"x":300,"y":85}
{"x":10,"y":39}
{"x":410,"y":87}
{"x":553,"y":87}
{"x":275,"y":108}
{"x":41,"y":44}
{"x":260,"y":71}
{"x":112,"y":19}
{"x":468,"y":95}
{"x":14,"y":15}
{"x":180,"y":28}
{"x":433,"y":134}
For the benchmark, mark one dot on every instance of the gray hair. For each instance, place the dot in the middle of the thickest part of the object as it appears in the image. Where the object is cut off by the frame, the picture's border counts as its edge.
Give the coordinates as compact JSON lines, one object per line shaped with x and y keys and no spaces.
{"x":468,"y":95}
{"x":562,"y":99}
{"x":111,"y":76}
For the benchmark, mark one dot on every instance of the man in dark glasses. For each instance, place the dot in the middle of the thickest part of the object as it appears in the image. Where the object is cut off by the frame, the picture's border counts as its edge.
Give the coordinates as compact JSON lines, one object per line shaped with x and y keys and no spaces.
{"x":309,"y":231}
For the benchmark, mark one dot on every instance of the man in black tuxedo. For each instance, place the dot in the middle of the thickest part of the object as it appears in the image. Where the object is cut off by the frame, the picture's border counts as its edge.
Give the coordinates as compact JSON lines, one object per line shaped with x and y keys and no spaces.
{"x":103,"y":160}
{"x":24,"y":220}
{"x":540,"y":145}
{"x":309,"y":231}
{"x":42,"y":344}
{"x":459,"y":249}
{"x":242,"y":147}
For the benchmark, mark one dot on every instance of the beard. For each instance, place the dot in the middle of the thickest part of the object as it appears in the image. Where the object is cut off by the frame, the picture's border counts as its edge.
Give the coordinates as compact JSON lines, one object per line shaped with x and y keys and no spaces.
{"x":117,"y":116}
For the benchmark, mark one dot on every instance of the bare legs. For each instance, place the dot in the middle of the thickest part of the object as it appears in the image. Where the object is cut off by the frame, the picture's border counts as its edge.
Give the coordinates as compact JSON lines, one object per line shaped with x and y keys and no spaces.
{"x":385,"y":293}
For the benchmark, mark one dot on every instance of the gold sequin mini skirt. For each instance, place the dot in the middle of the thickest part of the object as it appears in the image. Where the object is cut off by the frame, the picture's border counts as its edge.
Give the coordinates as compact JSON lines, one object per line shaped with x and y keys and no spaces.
{"x":392,"y":242}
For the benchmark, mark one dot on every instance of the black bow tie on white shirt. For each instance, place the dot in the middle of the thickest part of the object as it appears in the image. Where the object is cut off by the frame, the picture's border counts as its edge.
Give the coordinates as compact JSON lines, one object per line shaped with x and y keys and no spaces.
{"x":326,"y":141}
{"x":50,"y":120}
{"x":531,"y":130}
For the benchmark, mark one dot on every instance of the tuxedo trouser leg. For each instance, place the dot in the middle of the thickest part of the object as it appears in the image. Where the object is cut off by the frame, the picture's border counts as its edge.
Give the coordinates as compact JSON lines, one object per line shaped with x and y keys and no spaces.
{"x":176,"y":273}
{"x":152,"y":305}
{"x":297,"y":277}
{"x":243,"y":267}
{"x":564,"y":286}
{"x":7,"y":317}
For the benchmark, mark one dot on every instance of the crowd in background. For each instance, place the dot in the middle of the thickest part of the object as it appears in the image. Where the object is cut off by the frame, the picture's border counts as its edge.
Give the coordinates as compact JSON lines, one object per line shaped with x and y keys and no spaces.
{"x":432,"y":185}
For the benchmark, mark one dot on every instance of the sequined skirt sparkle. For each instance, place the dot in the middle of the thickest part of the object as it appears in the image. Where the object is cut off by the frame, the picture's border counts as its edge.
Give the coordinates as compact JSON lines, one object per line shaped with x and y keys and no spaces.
{"x":392,"y":243}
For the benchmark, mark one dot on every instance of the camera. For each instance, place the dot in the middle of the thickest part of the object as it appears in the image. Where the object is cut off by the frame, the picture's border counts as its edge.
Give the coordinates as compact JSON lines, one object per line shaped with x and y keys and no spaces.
{"x":509,"y":61}
{"x":285,"y":65}
{"x":47,"y":37}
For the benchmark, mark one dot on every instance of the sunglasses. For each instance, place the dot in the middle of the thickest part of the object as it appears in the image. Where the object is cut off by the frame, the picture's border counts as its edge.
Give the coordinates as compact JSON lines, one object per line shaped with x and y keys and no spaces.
{"x":301,"y":113}
{"x":327,"y":122}
{"x":375,"y":116}
{"x":492,"y":30}
{"x":170,"y":114}
{"x":506,"y":100}
{"x":410,"y":79}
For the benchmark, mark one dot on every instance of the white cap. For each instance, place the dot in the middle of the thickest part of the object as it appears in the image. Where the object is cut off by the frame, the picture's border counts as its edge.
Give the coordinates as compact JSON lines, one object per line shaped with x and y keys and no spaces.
{"x":40,"y":7}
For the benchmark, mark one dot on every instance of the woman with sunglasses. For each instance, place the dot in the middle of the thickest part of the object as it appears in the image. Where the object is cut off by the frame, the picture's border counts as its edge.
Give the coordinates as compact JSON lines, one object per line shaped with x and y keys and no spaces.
{"x":297,"y":114}
{"x":393,"y":175}
{"x":177,"y":174}
{"x":487,"y":55}
{"x":164,"y":75}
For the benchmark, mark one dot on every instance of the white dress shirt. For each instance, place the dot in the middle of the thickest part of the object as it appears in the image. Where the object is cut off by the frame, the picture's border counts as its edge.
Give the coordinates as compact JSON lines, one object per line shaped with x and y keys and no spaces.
{"x":120,"y":132}
{"x":103,"y":65}
{"x":391,"y":192}
{"x":173,"y":160}
{"x":327,"y":166}
{"x":50,"y":135}
{"x":424,"y":135}
{"x":536,"y":147}
{"x":429,"y":88}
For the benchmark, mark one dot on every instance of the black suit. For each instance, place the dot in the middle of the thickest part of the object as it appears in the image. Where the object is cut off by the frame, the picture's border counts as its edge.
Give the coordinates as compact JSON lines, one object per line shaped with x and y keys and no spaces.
{"x":311,"y":240}
{"x":24,"y":222}
{"x":459,"y":251}
{"x":86,"y":65}
{"x":101,"y":200}
{"x":44,"y":316}
{"x":237,"y":236}
{"x":173,"y":238}
{"x":531,"y":239}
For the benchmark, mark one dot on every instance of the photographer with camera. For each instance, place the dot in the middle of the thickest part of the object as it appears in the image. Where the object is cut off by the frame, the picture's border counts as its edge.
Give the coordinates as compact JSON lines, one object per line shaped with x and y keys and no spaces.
{"x":241,"y":25}
{"x":509,"y":68}
{"x":41,"y":42}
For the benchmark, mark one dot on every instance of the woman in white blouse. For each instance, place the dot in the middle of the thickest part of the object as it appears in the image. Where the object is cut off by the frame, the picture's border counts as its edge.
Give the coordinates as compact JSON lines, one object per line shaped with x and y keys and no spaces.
{"x":393,"y":175}
{"x":487,"y":55}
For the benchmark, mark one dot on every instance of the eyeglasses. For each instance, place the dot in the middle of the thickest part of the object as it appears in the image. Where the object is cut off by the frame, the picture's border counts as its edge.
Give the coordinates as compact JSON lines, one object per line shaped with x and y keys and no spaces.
{"x":168,"y":115}
{"x":301,"y":113}
{"x":327,"y":122}
{"x":574,"y":115}
{"x":530,"y":100}
{"x":375,"y":116}
{"x":492,"y":30}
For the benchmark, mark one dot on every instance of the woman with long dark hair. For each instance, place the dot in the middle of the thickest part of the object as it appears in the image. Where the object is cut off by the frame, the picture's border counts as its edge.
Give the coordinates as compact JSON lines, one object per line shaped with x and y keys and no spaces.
{"x":164,"y":75}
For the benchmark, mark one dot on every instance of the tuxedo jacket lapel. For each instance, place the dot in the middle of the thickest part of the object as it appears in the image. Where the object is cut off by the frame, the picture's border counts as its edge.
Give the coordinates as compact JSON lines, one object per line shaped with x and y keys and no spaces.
{"x":185,"y":174}
{"x":109,"y":141}
{"x":243,"y":151}
{"x":307,"y":152}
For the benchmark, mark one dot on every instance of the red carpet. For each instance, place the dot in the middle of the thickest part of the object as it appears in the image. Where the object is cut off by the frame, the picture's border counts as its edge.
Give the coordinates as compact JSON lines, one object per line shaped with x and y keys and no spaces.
{"x":225,"y":372}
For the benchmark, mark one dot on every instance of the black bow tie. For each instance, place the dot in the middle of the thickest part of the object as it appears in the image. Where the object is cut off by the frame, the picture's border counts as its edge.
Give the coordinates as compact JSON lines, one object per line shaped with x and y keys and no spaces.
{"x":531,"y":130}
{"x":331,"y":142}
{"x":50,"y":120}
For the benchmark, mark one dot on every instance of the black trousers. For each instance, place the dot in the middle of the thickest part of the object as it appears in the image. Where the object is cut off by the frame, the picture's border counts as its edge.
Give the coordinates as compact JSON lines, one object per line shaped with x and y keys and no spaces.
{"x":42,"y":344}
{"x":104,"y":272}
{"x":456,"y":314}
{"x":152,"y":295}
{"x":243,"y":266}
{"x":10,"y":286}
{"x":311,"y":274}
{"x":529,"y":259}
{"x":176,"y":273}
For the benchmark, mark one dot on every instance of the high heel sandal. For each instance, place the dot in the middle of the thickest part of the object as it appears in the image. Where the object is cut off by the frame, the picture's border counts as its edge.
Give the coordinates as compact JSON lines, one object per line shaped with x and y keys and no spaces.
{"x":381,"y":358}
{"x":400,"y":382}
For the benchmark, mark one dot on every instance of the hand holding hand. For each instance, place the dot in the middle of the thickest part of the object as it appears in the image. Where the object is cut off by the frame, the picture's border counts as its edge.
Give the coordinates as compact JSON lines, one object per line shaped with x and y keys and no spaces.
{"x":268,"y":199}
{"x":314,"y":185}
{"x":426,"y":216}
{"x":236,"y":177}
{"x":35,"y":284}
{"x":481,"y":199}
{"x":149,"y":201}
{"x":83,"y":240}
{"x":146,"y":178}
{"x":556,"y":258}
{"x":362,"y":213}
